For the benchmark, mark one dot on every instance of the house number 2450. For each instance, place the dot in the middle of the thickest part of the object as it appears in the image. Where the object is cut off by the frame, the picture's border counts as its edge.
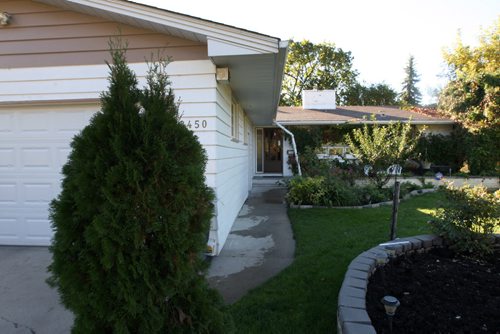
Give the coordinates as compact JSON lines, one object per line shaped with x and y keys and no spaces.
{"x":195,"y":124}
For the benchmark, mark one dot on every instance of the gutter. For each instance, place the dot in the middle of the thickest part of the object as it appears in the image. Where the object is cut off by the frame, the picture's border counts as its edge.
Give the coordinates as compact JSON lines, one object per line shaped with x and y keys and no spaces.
{"x":364,"y":122}
{"x":293,"y":144}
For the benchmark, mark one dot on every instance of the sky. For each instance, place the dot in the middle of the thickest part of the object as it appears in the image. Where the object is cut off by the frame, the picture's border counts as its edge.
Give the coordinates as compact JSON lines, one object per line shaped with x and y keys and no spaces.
{"x":381,"y":34}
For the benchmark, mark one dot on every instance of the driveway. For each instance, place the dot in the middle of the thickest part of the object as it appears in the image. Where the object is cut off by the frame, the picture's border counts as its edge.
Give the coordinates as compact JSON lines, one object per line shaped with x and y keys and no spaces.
{"x":27,"y":304}
{"x":260,"y":246}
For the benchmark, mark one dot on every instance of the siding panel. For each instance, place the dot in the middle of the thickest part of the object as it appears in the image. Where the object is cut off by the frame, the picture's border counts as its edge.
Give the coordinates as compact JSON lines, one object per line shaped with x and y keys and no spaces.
{"x":42,"y":35}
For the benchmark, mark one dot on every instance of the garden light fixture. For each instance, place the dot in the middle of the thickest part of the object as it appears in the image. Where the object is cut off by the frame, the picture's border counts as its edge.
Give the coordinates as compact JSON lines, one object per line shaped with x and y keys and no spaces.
{"x":390,"y":304}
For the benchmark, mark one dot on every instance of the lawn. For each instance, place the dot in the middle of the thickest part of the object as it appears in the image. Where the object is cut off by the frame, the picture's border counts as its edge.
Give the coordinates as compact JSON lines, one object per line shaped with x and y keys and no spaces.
{"x":303,"y":298}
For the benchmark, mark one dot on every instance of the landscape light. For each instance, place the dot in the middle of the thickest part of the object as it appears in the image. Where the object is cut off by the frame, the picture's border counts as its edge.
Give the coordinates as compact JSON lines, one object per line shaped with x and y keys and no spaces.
{"x":390,"y":304}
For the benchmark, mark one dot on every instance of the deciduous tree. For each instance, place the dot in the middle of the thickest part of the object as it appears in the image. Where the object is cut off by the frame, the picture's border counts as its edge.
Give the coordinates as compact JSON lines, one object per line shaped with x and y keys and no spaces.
{"x":381,"y":146}
{"x":374,"y":95}
{"x":472,"y":97}
{"x":321,"y":66}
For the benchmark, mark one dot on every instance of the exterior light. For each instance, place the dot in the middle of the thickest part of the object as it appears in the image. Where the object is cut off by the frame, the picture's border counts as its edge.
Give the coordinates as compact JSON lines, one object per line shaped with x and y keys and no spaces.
{"x":390,"y":304}
{"x":4,"y":19}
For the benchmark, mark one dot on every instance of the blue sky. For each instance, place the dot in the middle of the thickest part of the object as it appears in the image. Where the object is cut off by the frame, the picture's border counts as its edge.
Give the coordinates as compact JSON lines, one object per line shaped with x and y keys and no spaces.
{"x":381,"y":34}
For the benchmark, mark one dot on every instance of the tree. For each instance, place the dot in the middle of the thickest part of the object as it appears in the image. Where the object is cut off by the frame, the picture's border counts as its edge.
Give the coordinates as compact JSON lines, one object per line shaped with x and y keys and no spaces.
{"x":321,"y":66}
{"x":374,"y":95}
{"x":381,"y":146}
{"x":133,"y":215}
{"x":472,"y":97}
{"x":410,"y":94}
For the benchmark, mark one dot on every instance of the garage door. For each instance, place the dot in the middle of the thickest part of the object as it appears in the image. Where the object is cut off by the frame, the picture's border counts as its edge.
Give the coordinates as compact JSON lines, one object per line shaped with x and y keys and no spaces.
{"x":34,"y":145}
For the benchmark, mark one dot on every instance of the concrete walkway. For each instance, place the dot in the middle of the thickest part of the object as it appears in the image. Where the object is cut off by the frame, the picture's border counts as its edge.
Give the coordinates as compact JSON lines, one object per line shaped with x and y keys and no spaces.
{"x":27,"y":304}
{"x":259,"y":246}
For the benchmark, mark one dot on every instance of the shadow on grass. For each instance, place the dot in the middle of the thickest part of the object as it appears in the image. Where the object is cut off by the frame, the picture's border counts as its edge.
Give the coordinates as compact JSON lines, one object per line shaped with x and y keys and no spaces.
{"x":303,"y":298}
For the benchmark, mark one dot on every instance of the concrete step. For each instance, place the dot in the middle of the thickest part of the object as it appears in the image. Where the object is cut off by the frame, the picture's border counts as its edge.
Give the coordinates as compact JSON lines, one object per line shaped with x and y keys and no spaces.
{"x":275,"y":181}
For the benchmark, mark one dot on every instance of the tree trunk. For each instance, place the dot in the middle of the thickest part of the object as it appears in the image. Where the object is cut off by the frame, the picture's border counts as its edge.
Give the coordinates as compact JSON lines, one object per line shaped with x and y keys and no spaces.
{"x":395,"y":207}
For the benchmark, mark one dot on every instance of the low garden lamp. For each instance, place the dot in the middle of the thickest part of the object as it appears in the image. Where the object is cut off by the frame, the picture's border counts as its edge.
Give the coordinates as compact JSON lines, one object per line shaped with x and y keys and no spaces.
{"x":390,"y":304}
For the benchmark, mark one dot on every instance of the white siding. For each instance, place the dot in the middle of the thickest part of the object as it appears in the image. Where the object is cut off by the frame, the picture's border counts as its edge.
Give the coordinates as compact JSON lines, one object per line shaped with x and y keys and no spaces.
{"x":205,"y":106}
{"x":231,"y":167}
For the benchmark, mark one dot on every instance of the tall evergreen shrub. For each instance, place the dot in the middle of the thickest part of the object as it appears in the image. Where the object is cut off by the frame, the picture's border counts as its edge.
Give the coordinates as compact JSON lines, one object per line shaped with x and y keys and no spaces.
{"x":133,"y":215}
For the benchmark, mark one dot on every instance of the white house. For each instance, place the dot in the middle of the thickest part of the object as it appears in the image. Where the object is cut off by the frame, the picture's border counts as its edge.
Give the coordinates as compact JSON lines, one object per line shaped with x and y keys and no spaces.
{"x":52,"y":70}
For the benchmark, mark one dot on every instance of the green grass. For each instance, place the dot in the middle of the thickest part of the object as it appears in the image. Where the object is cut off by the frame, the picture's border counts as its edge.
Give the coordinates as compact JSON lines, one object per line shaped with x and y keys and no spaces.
{"x":303,"y":298}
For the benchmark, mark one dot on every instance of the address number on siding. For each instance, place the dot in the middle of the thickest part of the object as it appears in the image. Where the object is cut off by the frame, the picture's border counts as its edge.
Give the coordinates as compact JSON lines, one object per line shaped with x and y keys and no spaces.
{"x":195,"y":124}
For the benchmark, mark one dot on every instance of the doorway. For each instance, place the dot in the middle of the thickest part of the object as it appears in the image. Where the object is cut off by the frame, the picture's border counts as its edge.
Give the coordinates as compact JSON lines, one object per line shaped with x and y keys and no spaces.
{"x":269,"y":150}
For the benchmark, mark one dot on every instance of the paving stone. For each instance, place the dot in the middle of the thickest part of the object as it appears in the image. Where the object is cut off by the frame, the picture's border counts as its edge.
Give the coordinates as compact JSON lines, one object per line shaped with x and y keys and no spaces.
{"x":427,"y":240}
{"x":356,"y":328}
{"x":397,"y":247}
{"x":438,"y":241}
{"x":414,"y":243}
{"x":352,"y":302}
{"x":365,"y":260}
{"x":356,"y":282}
{"x":349,"y":314}
{"x":359,"y":266}
{"x":357,"y":274}
{"x":349,"y":291}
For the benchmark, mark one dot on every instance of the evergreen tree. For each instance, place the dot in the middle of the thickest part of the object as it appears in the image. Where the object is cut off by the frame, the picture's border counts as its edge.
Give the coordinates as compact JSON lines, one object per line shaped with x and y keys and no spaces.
{"x":133,"y":215}
{"x":410,"y":94}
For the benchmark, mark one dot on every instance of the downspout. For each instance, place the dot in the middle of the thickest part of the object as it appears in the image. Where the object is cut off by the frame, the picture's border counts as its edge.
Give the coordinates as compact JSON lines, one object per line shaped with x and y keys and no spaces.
{"x":293,"y":144}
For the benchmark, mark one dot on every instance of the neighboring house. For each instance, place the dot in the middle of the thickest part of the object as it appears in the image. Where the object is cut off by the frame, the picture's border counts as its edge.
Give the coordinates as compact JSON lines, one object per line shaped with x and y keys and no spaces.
{"x":52,"y":71}
{"x":319,"y":109}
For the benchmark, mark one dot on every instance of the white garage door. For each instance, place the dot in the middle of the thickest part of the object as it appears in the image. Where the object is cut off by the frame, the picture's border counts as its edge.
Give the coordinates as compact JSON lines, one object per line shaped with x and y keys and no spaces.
{"x":34,"y":145}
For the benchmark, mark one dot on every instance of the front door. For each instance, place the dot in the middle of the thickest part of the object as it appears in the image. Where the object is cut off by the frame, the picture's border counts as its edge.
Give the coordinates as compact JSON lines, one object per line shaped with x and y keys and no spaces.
{"x":269,"y":150}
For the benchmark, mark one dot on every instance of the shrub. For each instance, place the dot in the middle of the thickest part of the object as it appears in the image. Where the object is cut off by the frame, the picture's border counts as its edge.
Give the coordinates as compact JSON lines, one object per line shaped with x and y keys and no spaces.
{"x":339,"y":192}
{"x":469,"y":219}
{"x":132,"y":218}
{"x":449,"y":150}
{"x":483,"y":154}
{"x":373,"y":194}
{"x":306,"y":191}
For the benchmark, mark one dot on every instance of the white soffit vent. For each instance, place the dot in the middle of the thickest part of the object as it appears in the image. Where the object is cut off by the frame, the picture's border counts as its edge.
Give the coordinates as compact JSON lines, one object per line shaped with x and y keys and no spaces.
{"x":318,"y":99}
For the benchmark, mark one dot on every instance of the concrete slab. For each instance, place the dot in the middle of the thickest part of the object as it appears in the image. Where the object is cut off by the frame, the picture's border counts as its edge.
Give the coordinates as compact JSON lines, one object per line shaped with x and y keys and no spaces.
{"x":259,"y":246}
{"x":27,"y":304}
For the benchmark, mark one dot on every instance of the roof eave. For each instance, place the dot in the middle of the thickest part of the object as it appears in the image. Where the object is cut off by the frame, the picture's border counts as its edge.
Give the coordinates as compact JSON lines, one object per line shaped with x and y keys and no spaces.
{"x":358,"y":122}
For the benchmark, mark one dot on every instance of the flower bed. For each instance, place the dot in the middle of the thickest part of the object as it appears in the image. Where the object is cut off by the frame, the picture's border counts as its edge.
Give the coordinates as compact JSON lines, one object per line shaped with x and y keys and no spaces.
{"x":352,"y":315}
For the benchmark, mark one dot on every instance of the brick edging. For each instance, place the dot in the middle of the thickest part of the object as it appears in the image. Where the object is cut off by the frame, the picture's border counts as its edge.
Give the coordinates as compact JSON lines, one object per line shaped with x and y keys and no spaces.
{"x":352,"y":317}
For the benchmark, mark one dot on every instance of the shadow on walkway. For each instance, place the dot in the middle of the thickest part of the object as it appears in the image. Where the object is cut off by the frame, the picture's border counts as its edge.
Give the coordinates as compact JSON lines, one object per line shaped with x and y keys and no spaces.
{"x":259,"y":246}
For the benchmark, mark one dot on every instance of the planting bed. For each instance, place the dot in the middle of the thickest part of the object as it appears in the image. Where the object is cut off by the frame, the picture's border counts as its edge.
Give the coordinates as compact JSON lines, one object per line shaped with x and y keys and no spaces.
{"x":439,"y":293}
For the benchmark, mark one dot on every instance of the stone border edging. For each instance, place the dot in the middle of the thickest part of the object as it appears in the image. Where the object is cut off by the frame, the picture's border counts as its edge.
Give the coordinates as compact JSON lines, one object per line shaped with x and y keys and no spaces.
{"x":374,"y":205}
{"x":352,"y":317}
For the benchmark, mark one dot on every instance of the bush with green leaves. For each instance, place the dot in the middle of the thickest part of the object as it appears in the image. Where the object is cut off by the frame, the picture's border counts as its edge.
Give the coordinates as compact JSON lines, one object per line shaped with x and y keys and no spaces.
{"x":470,"y":218}
{"x":133,"y":215}
{"x":306,"y":191}
{"x":446,"y":150}
{"x":381,"y":146}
